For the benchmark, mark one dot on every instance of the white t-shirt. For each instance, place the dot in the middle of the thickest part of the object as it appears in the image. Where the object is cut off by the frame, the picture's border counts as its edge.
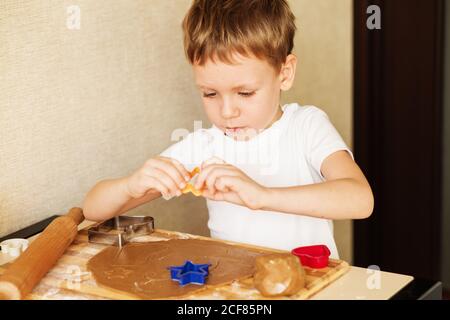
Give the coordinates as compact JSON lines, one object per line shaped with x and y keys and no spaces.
{"x":288,"y":153}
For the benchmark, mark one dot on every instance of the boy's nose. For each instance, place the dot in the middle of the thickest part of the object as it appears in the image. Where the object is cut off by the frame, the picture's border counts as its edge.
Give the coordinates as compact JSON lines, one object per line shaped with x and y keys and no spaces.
{"x":229,"y":110}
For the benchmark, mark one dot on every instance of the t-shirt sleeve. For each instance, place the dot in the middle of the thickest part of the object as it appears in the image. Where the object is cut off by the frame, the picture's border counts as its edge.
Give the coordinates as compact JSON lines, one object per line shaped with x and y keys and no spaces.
{"x":321,"y":138}
{"x":191,"y":150}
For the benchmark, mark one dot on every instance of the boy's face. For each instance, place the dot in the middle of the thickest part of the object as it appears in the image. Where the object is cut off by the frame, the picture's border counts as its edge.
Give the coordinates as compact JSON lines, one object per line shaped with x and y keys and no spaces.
{"x":242,"y":98}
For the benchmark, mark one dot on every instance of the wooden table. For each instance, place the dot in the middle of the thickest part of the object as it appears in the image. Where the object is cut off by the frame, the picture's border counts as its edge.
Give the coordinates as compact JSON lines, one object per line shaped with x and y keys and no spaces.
{"x":69,"y":279}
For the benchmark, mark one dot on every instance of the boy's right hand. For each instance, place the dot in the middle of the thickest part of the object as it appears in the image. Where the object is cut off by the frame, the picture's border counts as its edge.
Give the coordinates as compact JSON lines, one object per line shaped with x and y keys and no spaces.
{"x":162,"y":174}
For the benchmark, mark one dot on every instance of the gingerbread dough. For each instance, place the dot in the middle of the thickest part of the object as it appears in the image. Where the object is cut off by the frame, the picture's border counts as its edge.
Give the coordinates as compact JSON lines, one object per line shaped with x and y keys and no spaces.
{"x":279,"y":275}
{"x":190,"y":185}
{"x":141,"y":268}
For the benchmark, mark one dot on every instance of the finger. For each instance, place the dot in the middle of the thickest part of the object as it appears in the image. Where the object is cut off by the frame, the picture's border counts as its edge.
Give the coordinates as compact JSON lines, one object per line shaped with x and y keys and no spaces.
{"x":166,"y":180}
{"x":169,"y":169}
{"x":236,"y":185}
{"x":232,"y":183}
{"x":218,"y":196}
{"x":215,"y":173}
{"x":222,"y":188}
{"x":158,"y":186}
{"x":183,"y":171}
{"x":205,"y":173}
{"x":232,"y":197}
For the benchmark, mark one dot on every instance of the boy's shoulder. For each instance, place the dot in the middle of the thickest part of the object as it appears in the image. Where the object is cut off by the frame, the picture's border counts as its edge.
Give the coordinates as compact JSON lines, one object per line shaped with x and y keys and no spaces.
{"x":304,"y":110}
{"x":304,"y":115}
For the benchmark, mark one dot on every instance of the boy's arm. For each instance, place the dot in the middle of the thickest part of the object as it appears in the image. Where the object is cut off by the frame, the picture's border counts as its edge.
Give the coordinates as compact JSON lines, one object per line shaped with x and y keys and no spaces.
{"x":115,"y":200}
{"x":158,"y":176}
{"x":345,"y":194}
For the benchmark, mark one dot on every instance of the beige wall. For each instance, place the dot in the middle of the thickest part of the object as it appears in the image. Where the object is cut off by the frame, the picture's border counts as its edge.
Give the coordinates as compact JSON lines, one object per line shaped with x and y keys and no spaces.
{"x":324,"y":46}
{"x":77,"y":106}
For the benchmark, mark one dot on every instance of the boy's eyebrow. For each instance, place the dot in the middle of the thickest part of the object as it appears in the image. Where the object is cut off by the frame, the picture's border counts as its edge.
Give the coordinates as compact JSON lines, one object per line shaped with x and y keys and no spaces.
{"x":240,"y":86}
{"x":202,"y":87}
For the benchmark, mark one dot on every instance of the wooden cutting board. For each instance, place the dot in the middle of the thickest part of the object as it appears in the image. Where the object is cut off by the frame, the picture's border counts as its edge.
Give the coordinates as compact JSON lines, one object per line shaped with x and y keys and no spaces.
{"x":69,"y":278}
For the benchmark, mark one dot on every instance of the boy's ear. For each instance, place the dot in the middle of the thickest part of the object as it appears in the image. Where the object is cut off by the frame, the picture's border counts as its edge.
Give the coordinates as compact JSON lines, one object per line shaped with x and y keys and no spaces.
{"x":287,"y":72}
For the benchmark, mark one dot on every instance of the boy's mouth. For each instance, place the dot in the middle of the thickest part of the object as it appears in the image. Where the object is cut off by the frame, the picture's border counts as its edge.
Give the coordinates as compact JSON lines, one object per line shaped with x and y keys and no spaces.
{"x":234,"y":130}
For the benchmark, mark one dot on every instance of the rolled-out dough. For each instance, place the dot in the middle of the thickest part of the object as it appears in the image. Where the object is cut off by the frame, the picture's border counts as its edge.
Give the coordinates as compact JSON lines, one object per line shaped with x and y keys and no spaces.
{"x":142,"y":268}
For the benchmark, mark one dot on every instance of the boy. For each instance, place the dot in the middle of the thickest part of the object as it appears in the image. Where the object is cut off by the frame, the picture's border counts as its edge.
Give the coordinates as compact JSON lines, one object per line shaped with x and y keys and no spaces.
{"x":272,"y":176}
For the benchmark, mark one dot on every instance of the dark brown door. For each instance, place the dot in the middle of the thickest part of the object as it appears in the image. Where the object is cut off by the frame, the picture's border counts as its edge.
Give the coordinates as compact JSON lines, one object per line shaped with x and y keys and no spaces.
{"x":397,"y":134}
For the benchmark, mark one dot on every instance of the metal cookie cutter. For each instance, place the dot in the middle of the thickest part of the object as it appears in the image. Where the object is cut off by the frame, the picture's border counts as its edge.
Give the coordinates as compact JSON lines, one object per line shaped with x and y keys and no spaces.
{"x":120,"y":230}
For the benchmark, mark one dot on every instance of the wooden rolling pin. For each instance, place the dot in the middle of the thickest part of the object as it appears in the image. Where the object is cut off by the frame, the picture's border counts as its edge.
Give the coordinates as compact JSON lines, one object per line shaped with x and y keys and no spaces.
{"x":31,"y":266}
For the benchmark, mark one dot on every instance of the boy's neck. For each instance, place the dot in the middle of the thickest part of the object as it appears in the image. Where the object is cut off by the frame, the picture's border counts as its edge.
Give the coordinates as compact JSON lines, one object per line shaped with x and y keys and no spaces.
{"x":276,"y":117}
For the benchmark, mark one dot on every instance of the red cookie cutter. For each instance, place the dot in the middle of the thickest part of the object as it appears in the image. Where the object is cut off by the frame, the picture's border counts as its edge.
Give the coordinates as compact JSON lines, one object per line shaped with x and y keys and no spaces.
{"x":313,"y":256}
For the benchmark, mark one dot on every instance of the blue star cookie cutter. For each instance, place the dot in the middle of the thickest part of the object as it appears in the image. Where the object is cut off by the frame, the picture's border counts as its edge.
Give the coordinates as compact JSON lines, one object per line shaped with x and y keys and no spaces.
{"x":189,"y":272}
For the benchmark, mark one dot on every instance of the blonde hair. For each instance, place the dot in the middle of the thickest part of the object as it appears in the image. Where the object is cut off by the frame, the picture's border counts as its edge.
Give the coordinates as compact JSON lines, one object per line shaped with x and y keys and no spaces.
{"x":219,"y":28}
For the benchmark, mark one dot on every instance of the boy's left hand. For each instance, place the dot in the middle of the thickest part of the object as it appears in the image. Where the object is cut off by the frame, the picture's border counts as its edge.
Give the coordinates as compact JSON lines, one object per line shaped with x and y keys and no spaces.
{"x":224,"y":182}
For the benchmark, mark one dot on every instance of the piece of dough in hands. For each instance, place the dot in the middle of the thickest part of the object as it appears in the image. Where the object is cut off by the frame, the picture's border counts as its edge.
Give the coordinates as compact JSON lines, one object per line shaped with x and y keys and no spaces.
{"x":190,"y":185}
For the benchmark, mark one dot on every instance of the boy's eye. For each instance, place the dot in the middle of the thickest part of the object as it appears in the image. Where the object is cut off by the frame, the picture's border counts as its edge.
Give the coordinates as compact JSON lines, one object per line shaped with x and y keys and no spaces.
{"x":246,"y":94}
{"x":209,"y":95}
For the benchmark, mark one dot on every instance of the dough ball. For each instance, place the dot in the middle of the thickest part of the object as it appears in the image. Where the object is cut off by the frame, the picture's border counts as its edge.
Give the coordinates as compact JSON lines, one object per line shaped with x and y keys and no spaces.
{"x":279,"y":275}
